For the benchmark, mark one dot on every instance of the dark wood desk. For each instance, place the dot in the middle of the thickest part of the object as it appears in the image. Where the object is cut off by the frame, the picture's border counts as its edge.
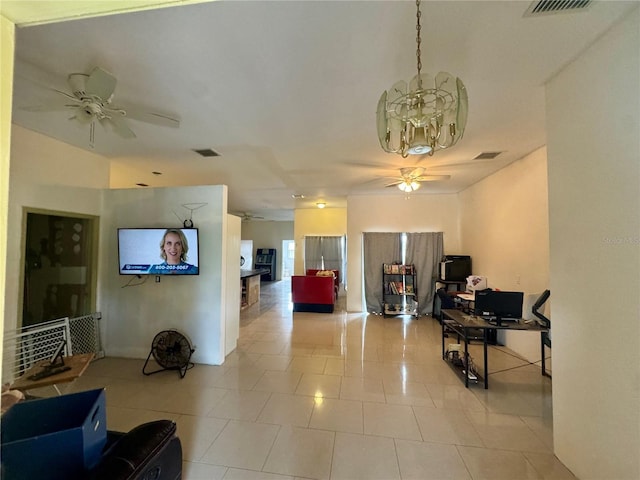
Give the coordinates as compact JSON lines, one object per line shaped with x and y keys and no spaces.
{"x":78,"y":364}
{"x":462,"y":324}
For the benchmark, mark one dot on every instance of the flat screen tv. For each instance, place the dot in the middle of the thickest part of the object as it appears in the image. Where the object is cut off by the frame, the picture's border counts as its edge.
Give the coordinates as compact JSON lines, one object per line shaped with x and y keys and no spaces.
{"x":455,"y":268}
{"x":158,"y":251}
{"x":498,"y":306}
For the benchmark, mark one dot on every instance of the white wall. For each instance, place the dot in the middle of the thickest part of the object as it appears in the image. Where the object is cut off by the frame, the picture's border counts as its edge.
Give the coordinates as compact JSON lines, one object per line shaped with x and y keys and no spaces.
{"x":40,"y":166}
{"x":7,"y":44}
{"x":194,"y":305}
{"x":593,"y":125}
{"x":268,"y":235}
{"x":330,"y":222}
{"x":505,"y":228}
{"x":231,"y":285}
{"x":395,"y":213}
{"x":132,"y":316}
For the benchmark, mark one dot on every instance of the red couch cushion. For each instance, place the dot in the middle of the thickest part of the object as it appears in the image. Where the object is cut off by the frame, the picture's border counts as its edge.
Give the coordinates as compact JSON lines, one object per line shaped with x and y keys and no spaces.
{"x":336,"y":277}
{"x":312,"y":289}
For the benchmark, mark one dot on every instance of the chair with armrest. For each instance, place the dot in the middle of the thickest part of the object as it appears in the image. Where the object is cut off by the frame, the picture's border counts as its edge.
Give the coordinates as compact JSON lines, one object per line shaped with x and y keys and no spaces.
{"x":149,"y":451}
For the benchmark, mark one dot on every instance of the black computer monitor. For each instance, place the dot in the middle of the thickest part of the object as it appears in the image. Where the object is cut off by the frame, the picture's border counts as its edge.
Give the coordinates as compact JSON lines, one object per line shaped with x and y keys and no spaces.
{"x":498,"y":306}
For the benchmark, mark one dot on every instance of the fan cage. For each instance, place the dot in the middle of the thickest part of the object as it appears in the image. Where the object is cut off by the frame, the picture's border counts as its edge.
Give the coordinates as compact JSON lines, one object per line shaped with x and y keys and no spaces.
{"x":171,"y":350}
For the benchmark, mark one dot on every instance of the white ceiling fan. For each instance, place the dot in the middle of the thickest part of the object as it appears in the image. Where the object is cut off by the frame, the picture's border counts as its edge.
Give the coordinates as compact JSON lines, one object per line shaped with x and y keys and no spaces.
{"x":246,"y":217}
{"x":411,"y":178}
{"x":90,"y":102}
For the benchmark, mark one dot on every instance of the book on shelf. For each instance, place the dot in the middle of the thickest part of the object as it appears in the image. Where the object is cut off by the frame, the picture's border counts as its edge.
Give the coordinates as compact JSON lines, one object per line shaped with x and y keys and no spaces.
{"x":408,"y":289}
{"x":395,"y":269}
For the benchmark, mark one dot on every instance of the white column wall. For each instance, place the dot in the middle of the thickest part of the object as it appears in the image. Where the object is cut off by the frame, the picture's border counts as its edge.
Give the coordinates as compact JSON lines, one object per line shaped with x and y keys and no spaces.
{"x":593,"y":131}
{"x":194,"y":305}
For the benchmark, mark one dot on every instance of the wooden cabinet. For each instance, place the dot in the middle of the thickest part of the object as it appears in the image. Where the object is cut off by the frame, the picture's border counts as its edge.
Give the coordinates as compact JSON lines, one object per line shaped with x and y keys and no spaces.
{"x":399,"y":290}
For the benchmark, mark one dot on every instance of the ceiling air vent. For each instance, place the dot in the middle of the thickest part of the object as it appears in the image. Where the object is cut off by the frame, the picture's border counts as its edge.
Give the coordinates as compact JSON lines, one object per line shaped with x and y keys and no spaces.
{"x":546,"y":7}
{"x":487,"y":156}
{"x":206,"y":152}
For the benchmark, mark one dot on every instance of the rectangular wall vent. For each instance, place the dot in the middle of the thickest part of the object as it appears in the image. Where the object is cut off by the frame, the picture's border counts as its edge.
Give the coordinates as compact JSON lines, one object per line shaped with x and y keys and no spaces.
{"x":206,"y":152}
{"x":546,"y":7}
{"x":487,"y":156}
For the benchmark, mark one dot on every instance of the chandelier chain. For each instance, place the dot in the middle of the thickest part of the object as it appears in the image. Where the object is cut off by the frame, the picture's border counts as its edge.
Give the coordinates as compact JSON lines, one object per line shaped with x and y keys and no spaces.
{"x":418,"y":39}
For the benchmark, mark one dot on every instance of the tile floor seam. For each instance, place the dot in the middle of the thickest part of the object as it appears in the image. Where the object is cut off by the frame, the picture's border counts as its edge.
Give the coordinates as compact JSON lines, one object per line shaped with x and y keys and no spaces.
{"x":273,"y":442}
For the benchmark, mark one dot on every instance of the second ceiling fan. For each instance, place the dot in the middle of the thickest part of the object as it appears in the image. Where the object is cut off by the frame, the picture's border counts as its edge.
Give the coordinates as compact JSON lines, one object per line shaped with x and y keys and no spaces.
{"x":411,"y":178}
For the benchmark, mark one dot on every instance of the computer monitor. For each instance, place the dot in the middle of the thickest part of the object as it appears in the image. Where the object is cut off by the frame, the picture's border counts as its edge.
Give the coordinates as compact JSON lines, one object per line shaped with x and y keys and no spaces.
{"x":498,"y":306}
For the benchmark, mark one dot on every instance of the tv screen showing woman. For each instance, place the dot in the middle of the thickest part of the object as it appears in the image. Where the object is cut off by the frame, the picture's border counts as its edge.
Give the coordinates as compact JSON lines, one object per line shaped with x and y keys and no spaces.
{"x":158,"y":251}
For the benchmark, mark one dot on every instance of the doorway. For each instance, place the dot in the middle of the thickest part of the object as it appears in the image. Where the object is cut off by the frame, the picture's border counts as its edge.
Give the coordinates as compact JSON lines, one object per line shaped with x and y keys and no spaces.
{"x":288,"y":255}
{"x":59,"y":267}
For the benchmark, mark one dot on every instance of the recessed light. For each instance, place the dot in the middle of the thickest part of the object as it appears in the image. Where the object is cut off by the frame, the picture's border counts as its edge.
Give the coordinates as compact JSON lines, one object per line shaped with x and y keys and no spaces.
{"x":297,"y":195}
{"x":142,"y":184}
{"x":157,"y":173}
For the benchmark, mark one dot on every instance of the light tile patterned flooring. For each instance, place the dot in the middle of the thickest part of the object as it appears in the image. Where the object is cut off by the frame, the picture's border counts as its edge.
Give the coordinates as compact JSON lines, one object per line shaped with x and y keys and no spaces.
{"x":340,"y":396}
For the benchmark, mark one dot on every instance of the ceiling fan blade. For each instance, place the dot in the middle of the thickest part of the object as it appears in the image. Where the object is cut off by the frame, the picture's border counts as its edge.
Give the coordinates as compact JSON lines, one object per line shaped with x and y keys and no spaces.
{"x":394,"y":184}
{"x":78,"y":84}
{"x":379,"y":166}
{"x":411,"y":171}
{"x":151,"y":117}
{"x":48,"y":108}
{"x":118,"y":126}
{"x":65,"y":94}
{"x":432,"y":178}
{"x":101,"y":83}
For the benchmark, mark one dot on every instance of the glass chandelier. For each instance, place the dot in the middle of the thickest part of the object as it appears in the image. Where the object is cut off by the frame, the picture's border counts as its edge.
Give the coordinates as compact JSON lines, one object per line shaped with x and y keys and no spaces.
{"x":426,"y":115}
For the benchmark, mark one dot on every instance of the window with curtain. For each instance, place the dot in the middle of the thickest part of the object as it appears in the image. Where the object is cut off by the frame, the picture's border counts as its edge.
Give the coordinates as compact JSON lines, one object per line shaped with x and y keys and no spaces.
{"x":325,"y":253}
{"x":424,"y":250}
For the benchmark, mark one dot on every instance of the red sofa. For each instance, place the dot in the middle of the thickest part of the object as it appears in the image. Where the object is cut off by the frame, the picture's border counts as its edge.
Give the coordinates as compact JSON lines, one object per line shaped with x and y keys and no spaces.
{"x":311,"y":293}
{"x":336,"y":278}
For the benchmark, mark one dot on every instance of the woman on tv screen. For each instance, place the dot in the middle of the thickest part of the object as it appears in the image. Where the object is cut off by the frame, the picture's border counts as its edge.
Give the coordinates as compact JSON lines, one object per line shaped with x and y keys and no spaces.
{"x":173,"y":251}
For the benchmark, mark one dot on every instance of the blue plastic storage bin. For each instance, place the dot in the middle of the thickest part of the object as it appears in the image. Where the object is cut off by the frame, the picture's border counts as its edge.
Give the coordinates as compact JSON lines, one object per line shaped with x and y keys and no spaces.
{"x":54,"y":438}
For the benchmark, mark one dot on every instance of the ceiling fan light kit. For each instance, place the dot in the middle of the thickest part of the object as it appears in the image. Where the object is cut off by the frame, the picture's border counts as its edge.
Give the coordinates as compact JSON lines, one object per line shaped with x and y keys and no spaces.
{"x":409,"y":186}
{"x":428,"y":114}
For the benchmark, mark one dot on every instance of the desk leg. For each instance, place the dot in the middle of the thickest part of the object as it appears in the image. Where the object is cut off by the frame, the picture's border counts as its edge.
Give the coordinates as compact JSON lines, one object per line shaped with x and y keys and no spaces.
{"x":484,"y":354}
{"x":443,"y":352}
{"x":466,"y":358}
